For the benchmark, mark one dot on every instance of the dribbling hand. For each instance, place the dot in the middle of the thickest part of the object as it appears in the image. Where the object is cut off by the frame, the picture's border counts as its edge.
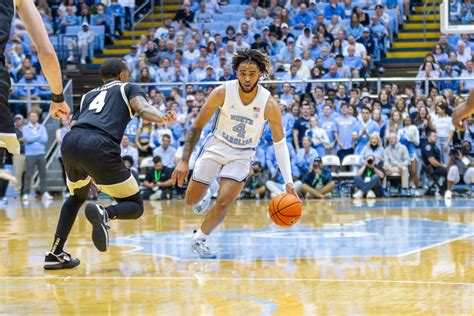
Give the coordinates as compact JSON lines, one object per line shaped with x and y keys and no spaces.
{"x":290,"y":189}
{"x":180,"y":173}
{"x":59,"y":110}
{"x":170,"y":117}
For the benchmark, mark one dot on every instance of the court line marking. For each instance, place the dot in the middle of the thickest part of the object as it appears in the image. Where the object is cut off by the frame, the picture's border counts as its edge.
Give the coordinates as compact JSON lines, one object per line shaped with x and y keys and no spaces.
{"x":46,"y":277}
{"x":465,"y":236}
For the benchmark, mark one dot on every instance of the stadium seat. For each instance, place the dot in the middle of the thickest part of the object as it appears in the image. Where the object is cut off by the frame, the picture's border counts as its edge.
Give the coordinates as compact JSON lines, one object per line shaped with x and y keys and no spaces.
{"x":334,"y":162}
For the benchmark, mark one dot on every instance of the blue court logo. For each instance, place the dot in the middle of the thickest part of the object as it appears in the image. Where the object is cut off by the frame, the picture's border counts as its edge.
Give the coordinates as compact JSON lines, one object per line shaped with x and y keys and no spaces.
{"x":381,"y":237}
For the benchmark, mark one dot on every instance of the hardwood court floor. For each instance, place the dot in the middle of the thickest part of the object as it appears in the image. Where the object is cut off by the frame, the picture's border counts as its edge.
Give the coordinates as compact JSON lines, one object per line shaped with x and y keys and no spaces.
{"x":395,"y":257}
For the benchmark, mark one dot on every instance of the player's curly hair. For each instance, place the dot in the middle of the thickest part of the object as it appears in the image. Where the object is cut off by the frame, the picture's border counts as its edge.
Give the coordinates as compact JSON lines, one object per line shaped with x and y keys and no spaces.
{"x":252,"y":56}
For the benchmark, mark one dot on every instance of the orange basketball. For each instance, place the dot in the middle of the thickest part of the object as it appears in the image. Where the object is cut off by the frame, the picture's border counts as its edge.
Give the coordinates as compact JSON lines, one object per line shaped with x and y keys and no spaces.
{"x":285,"y":209}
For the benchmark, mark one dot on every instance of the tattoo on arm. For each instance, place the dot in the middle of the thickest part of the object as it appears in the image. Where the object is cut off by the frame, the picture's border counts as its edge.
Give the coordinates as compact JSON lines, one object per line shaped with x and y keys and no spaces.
{"x":192,"y":138}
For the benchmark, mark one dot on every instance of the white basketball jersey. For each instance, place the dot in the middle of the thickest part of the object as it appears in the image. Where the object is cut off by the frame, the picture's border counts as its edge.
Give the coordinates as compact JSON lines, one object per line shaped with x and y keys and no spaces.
{"x":238,"y":125}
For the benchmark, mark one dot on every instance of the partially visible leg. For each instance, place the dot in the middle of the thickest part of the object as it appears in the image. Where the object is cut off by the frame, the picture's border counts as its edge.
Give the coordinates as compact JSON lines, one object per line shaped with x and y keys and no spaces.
{"x":453,"y":176}
{"x":405,"y":177}
{"x":30,"y":170}
{"x":307,"y":189}
{"x":127,"y":208}
{"x":229,"y":191}
{"x":19,"y":169}
{"x":195,"y":192}
{"x":328,"y":188}
{"x":469,"y":176}
{"x":41,"y":163}
{"x":414,"y":173}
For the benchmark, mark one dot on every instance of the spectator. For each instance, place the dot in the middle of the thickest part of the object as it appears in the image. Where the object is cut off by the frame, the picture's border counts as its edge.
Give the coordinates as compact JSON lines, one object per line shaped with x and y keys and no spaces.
{"x":354,"y":28}
{"x":460,"y":166}
{"x":85,"y":38}
{"x":142,"y":139}
{"x":410,"y":137}
{"x":249,"y":20}
{"x":327,"y":122}
{"x":165,"y":73}
{"x":288,"y":54}
{"x":68,"y":19}
{"x":455,"y":63}
{"x":305,"y":156}
{"x":431,"y":156}
{"x":264,"y":20}
{"x":304,"y":39}
{"x":382,"y":16}
{"x":301,"y":126}
{"x":239,"y":43}
{"x":166,"y":152}
{"x":158,"y":182}
{"x":302,"y":19}
{"x":467,"y":74}
{"x":185,"y":13}
{"x":449,"y":84}
{"x":396,"y":161}
{"x":332,"y":74}
{"x":126,"y":149}
{"x":318,"y":182}
{"x":463,"y":54}
{"x":353,"y":62}
{"x":332,"y":8}
{"x":19,"y":160}
{"x":440,"y":57}
{"x":212,"y":6}
{"x":347,"y":131}
{"x":227,"y":74}
{"x":427,"y":72}
{"x":255,"y":183}
{"x":368,"y":128}
{"x":335,"y":26}
{"x":293,"y":75}
{"x":116,"y":11}
{"x":374,"y":148}
{"x":444,"y":128}
{"x":180,"y":73}
{"x":369,"y":179}
{"x":202,"y":16}
{"x":318,"y":136}
{"x":22,"y":91}
{"x":35,"y":138}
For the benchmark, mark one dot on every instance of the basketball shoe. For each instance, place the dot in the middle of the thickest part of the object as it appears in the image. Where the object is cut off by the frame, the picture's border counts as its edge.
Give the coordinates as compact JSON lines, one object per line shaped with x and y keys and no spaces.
{"x":61,"y":261}
{"x":203,"y":205}
{"x":98,"y":217}
{"x":200,"y":247}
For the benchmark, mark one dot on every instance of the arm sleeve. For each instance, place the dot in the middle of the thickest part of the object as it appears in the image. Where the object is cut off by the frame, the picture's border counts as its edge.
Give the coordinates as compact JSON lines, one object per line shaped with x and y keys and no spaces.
{"x":283,"y":159}
{"x":133,"y":90}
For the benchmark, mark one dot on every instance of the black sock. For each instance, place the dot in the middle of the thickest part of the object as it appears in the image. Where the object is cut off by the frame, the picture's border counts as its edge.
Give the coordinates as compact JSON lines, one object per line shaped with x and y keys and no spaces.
{"x":68,"y":216}
{"x":127,"y":208}
{"x":58,"y":245}
{"x":3,"y":187}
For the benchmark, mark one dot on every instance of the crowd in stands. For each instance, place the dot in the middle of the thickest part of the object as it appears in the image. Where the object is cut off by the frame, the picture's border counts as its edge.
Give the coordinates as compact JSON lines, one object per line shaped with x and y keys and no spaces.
{"x":399,"y":137}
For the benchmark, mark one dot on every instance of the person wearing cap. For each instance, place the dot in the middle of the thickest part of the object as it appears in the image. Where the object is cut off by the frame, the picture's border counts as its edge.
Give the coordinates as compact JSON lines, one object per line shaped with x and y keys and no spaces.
{"x":302,"y":19}
{"x":302,"y":71}
{"x":367,"y":40}
{"x":285,"y":33}
{"x":318,"y":183}
{"x":313,"y":9}
{"x":210,"y":77}
{"x":85,"y":38}
{"x":288,"y":53}
{"x":305,"y":38}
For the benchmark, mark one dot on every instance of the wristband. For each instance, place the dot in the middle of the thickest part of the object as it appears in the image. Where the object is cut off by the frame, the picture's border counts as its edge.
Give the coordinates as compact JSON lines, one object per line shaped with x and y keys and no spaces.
{"x":58,"y":98}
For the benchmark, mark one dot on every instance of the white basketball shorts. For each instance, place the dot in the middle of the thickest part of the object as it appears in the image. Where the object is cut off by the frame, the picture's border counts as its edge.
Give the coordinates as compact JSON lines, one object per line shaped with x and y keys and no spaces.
{"x":219,"y":160}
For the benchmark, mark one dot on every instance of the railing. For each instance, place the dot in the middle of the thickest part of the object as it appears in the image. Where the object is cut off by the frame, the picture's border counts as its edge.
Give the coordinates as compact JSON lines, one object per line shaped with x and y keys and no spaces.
{"x":137,"y":11}
{"x":432,"y":5}
{"x":349,"y":82}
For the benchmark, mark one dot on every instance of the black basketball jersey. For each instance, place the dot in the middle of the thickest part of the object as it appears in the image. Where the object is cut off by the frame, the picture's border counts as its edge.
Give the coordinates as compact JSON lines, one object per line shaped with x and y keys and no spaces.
{"x":107,"y":108}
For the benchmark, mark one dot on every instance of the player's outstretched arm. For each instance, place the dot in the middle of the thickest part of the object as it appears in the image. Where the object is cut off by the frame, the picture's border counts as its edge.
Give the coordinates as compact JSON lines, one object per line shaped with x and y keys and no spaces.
{"x":215,"y":100}
{"x":463,"y":111}
{"x":46,"y":54}
{"x":282,"y":155}
{"x":141,"y":106}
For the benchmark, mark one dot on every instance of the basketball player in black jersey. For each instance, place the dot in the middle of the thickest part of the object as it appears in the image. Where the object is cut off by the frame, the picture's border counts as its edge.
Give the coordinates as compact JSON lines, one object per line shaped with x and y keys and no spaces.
{"x":91,"y":152}
{"x":49,"y":64}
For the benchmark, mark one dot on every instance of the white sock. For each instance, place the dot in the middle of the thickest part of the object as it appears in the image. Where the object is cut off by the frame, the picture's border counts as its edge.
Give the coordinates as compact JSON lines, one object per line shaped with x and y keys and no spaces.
{"x":200,"y":235}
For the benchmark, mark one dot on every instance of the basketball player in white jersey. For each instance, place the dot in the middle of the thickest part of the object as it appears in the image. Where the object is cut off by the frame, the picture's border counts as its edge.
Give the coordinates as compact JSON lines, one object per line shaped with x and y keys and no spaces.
{"x":243,"y":108}
{"x":463,"y":111}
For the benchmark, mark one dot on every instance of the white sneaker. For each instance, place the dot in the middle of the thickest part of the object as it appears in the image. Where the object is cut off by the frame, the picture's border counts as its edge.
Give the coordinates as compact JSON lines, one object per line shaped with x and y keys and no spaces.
{"x":203,"y":205}
{"x":25,"y":197}
{"x":328,"y":195}
{"x":47,"y":196}
{"x":358,"y":195}
{"x":83,"y":61}
{"x":371,"y":195}
{"x":448,"y":195}
{"x":156,"y":196}
{"x":418,"y":193}
{"x":3,"y":201}
{"x":70,"y":58}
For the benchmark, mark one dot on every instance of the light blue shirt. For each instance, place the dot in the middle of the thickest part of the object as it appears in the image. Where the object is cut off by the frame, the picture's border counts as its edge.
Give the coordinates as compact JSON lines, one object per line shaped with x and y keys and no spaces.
{"x":304,"y":161}
{"x":329,"y":125}
{"x":371,"y":127}
{"x":36,"y":138}
{"x":167,"y":156}
{"x":346,"y":125}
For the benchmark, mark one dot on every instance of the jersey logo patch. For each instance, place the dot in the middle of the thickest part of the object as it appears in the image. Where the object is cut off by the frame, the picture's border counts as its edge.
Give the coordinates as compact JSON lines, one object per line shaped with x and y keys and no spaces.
{"x":428,"y":147}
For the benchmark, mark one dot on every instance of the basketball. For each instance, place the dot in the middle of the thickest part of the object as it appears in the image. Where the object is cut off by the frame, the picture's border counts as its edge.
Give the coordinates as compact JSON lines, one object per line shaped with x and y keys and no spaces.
{"x":285,"y":210}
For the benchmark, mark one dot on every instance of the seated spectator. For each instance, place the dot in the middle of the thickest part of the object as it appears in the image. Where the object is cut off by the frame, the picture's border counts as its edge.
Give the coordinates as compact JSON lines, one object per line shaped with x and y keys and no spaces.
{"x":374,"y":147}
{"x":129,"y":162}
{"x":455,"y":63}
{"x":463,"y":54}
{"x":318,"y":183}
{"x":335,"y":26}
{"x":68,"y":19}
{"x":353,"y":62}
{"x":301,"y":126}
{"x":126,"y":149}
{"x":332,"y":74}
{"x":255,"y":183}
{"x":466,"y":74}
{"x":293,"y":75}
{"x":382,"y":16}
{"x":427,"y":72}
{"x":212,"y":6}
{"x":332,"y":8}
{"x":264,"y":20}
{"x":448,"y":72}
{"x":364,"y":19}
{"x":247,"y":35}
{"x":431,"y":156}
{"x":379,"y":31}
{"x":210,"y":77}
{"x":288,"y":54}
{"x":396,"y":161}
{"x":158,"y":182}
{"x":354,"y":28}
{"x":460,"y":166}
{"x":239,"y":42}
{"x":116,"y":11}
{"x":101,"y":18}
{"x":85,"y":38}
{"x":227,"y":74}
{"x":369,"y":179}
{"x":302,"y":19}
{"x":439,"y":55}
{"x":185,"y":13}
{"x":305,"y":156}
{"x":202,"y":16}
{"x":368,"y":128}
{"x":249,"y":20}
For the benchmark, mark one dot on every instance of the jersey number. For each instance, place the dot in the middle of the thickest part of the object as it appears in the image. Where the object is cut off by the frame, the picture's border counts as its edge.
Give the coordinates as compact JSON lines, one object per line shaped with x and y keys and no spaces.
{"x":240,"y":129}
{"x":98,"y":103}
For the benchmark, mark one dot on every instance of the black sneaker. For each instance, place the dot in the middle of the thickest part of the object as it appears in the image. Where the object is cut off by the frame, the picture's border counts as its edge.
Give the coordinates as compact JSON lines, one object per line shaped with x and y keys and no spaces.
{"x":61,"y":261}
{"x":97,"y":216}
